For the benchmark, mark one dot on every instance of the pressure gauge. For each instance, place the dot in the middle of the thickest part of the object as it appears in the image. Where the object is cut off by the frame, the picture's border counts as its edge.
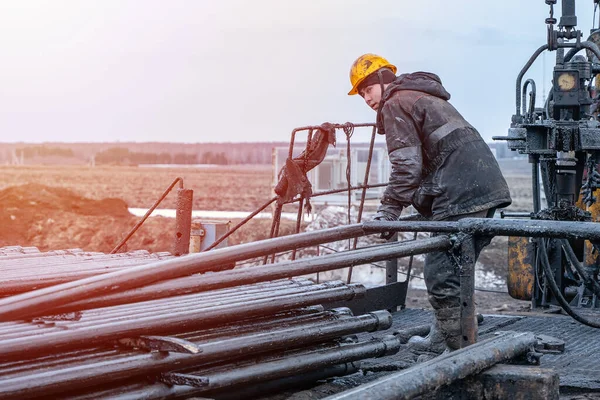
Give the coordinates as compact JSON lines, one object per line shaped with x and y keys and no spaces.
{"x":566,"y":81}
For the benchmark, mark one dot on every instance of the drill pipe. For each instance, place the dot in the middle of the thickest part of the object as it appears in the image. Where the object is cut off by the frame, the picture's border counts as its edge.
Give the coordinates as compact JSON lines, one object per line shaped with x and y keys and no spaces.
{"x":181,"y":305}
{"x":275,"y":369}
{"x":167,"y":324}
{"x":15,"y":330}
{"x":200,"y":338}
{"x":494,"y":227}
{"x":264,"y":273}
{"x":39,"y":301}
{"x":278,"y":385}
{"x":138,"y":391}
{"x":192,"y":302}
{"x":74,"y":376}
{"x":251,"y":326}
{"x":426,"y":377}
{"x":295,"y":365}
{"x":213,"y":294}
{"x":50,"y":262}
{"x":18,"y":277}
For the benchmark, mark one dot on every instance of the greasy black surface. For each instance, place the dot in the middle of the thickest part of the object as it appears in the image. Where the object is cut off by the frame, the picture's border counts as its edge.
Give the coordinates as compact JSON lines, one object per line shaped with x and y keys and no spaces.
{"x":578,"y":366}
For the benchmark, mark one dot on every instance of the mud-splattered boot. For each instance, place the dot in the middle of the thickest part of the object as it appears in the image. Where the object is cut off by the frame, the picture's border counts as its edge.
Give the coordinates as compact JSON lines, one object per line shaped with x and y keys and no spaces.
{"x":449,"y":319}
{"x":444,"y":337}
{"x":434,"y":343}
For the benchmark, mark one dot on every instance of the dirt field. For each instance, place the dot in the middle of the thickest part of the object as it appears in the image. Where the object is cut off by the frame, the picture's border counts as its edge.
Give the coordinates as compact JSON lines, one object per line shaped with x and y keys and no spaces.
{"x":241,"y":188}
{"x":42,"y":205}
{"x":59,"y":207}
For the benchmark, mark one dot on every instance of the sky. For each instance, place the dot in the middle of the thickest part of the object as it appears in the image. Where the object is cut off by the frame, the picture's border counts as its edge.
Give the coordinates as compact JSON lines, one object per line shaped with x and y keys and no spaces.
{"x":250,"y":70}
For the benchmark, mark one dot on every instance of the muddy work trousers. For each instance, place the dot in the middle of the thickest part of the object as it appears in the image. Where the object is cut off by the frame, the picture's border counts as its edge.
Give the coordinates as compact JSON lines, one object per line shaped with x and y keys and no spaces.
{"x":441,"y":271}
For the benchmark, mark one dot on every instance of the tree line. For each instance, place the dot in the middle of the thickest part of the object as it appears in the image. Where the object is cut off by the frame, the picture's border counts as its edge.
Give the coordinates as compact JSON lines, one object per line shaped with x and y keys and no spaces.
{"x":43,"y":151}
{"x":121,"y":155}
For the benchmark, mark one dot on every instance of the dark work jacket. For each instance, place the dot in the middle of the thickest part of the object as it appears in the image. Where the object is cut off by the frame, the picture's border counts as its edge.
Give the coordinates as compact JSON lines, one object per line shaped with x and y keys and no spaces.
{"x":440,"y":163}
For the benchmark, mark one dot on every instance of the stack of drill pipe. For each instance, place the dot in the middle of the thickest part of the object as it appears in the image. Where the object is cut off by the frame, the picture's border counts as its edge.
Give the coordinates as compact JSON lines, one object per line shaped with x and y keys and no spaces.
{"x":167,"y":316}
{"x":250,"y":375}
{"x":42,"y":301}
{"x":144,"y":390}
{"x":21,"y":272}
{"x":213,"y":301}
{"x":232,"y":370}
{"x":73,"y":298}
{"x":104,"y":364}
{"x":228,"y":344}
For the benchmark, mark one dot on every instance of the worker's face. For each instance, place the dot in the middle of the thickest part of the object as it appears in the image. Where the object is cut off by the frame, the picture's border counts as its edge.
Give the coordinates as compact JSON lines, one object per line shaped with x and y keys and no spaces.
{"x":372,"y":95}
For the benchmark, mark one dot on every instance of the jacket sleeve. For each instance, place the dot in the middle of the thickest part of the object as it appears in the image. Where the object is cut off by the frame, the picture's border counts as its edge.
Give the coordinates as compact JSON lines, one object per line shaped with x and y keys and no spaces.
{"x":404,"y":150}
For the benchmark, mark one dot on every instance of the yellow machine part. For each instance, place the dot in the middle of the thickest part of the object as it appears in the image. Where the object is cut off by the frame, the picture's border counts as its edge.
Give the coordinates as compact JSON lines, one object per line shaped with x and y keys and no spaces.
{"x":591,"y":257}
{"x":521,"y":274}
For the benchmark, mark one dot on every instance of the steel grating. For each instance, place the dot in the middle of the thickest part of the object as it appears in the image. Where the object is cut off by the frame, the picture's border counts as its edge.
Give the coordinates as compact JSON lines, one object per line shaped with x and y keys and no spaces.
{"x":578,"y":366}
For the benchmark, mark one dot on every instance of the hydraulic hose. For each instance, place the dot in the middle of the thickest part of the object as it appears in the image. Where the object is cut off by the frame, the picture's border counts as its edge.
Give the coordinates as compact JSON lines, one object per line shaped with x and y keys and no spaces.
{"x":543,"y":256}
{"x":587,"y":280}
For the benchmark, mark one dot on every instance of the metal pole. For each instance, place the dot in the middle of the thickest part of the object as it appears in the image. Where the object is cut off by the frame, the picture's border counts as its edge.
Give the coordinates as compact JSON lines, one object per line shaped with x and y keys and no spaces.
{"x":428,"y":376}
{"x":525,"y":68}
{"x":391,"y":265}
{"x":37,"y":302}
{"x":534,"y":159}
{"x":298,"y":223}
{"x":145,"y":217}
{"x":242,"y":276}
{"x":274,"y":226}
{"x":363,"y":195}
{"x":295,"y":381}
{"x":335,"y":191}
{"x":493,"y":227}
{"x":183,"y":221}
{"x":198,"y":302}
{"x":468,"y":322}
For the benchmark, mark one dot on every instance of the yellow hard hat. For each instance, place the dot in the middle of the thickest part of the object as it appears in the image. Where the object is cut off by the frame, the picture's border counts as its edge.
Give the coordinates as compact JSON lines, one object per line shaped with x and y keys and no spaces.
{"x":364,"y":66}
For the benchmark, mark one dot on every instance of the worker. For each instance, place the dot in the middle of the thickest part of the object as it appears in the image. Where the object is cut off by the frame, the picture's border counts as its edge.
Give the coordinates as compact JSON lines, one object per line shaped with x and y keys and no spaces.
{"x":440,"y":165}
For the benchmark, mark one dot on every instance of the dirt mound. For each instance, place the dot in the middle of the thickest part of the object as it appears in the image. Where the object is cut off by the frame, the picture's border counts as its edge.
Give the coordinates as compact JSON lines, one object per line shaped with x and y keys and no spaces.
{"x":56,"y":218}
{"x":33,"y":196}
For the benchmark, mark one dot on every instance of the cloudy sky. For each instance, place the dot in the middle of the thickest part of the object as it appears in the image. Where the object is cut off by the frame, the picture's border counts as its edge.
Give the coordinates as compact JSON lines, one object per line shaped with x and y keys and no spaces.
{"x":235,"y":70}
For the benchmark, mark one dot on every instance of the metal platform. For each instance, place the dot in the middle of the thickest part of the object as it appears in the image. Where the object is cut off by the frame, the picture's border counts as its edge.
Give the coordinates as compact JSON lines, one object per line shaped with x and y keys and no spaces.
{"x":577,"y":367}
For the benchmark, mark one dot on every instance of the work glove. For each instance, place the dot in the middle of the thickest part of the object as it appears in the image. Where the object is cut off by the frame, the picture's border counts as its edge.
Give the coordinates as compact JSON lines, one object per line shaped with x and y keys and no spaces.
{"x":387,"y":212}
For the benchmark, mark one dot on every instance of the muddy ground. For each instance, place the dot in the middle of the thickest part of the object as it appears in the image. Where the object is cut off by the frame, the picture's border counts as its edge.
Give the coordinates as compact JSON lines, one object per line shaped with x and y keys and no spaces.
{"x":61,"y":207}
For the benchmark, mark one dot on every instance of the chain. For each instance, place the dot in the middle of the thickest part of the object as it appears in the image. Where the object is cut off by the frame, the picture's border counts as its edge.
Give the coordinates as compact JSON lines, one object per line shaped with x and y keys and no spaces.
{"x":349,"y":131}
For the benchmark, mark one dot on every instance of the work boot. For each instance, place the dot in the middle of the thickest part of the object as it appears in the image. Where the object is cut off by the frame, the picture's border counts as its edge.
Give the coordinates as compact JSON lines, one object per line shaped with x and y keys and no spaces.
{"x":433,"y":343}
{"x":449,"y":320}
